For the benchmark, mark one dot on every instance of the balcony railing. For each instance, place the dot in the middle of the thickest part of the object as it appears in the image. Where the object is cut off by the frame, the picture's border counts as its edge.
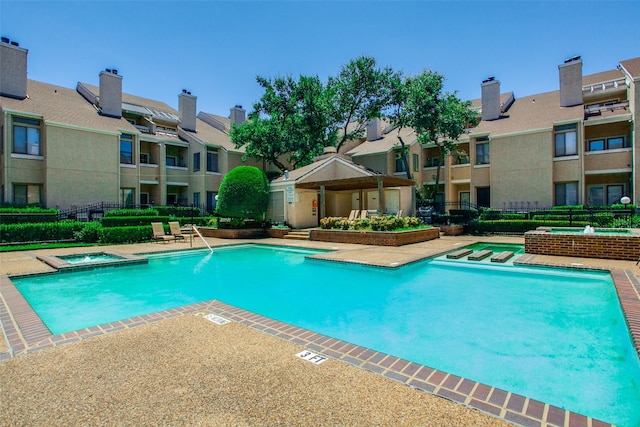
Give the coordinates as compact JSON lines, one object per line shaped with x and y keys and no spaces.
{"x":596,"y":110}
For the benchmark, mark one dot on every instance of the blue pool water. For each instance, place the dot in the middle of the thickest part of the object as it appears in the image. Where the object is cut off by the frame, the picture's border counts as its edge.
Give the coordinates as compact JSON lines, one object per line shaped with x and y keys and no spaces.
{"x":557,"y":336}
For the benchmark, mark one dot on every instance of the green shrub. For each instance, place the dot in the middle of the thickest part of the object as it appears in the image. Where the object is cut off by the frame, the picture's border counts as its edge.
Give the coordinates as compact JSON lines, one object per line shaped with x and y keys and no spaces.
{"x":244,"y":193}
{"x":132,"y":221}
{"x":131,"y":212}
{"x":487,"y":214}
{"x":114,"y":235}
{"x":29,"y":209}
{"x":178,"y":211}
{"x":27,"y":215}
{"x":334,"y":223}
{"x":39,"y":232}
{"x":361,"y":224}
{"x":567,"y":207}
{"x":88,"y":233}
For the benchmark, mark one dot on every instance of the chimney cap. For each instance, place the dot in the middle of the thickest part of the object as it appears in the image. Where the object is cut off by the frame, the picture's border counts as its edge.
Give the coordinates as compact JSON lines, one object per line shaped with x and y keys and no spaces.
{"x":489,"y":79}
{"x":5,"y":39}
{"x":237,"y":106}
{"x":575,"y":58}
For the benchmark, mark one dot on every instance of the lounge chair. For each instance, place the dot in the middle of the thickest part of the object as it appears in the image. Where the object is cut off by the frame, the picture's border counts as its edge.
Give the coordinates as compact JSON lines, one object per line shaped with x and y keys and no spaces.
{"x":353,"y":215}
{"x":399,"y":213}
{"x":364,"y":213}
{"x":159,"y":234}
{"x":174,"y":228}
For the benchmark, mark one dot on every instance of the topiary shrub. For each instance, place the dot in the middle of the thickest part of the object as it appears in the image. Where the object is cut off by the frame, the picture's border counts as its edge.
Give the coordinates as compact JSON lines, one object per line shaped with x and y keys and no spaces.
{"x":244,"y":193}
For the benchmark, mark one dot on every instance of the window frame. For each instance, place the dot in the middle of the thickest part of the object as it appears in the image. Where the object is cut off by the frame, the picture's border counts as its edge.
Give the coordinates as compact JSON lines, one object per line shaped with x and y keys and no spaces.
{"x":28,"y":191}
{"x":606,"y":143}
{"x":560,"y":140}
{"x":30,"y":126}
{"x":565,"y":194}
{"x":211,"y":154}
{"x":126,"y":138}
{"x":196,"y":162}
{"x":485,"y":157}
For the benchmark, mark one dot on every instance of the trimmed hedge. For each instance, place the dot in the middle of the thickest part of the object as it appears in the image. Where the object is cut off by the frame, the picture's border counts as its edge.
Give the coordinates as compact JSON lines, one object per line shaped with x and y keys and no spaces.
{"x":131,"y":212}
{"x":132,"y":221}
{"x":39,"y":232}
{"x":244,"y":193}
{"x":178,"y":211}
{"x":516,"y":226}
{"x":112,"y":235}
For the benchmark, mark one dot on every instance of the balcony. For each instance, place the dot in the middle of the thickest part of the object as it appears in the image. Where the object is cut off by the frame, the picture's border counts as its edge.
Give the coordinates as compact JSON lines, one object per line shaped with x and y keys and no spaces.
{"x":604,"y":87}
{"x":598,"y":109}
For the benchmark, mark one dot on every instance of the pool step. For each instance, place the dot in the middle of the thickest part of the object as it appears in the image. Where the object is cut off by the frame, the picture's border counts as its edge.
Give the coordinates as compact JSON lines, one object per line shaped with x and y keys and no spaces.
{"x":502,"y":256}
{"x":480,"y":255}
{"x":459,"y":253}
{"x":298,"y":235}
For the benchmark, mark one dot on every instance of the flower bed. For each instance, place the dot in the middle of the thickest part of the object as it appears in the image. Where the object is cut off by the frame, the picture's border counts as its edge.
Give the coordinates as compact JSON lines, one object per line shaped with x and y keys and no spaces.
{"x":232,"y":233}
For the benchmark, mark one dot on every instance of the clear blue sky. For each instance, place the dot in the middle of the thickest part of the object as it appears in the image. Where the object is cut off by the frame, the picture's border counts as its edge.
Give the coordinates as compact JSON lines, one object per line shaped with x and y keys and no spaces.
{"x":215,"y":49}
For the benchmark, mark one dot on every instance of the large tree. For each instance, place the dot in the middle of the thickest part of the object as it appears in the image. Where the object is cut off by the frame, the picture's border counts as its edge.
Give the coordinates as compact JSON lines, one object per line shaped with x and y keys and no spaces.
{"x":358,"y":93}
{"x":437,"y":117}
{"x":289,"y":122}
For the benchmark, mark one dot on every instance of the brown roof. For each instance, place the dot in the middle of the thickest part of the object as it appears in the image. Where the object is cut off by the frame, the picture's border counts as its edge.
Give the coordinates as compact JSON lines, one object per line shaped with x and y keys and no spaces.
{"x":388,"y":142}
{"x":136,"y":100}
{"x":605,"y":76}
{"x":360,"y":182}
{"x":632,"y":66}
{"x":207,"y":134}
{"x":63,"y":105}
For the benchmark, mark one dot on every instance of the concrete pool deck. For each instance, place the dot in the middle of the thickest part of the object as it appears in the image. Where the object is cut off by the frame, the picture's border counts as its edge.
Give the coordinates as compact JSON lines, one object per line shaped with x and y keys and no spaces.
{"x":145,"y":346}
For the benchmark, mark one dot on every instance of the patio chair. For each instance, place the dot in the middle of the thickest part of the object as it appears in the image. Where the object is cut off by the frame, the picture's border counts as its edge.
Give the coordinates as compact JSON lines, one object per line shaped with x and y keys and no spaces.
{"x":399,"y":213}
{"x":159,"y":234}
{"x":353,"y":215}
{"x":176,"y":232}
{"x":363,"y":214}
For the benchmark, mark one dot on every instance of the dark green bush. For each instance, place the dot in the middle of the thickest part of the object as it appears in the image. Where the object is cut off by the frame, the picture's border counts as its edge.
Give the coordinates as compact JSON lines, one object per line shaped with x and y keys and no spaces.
{"x":29,"y":209}
{"x":39,"y":232}
{"x":131,"y":221}
{"x":487,"y":214}
{"x":88,"y":233}
{"x":113,"y":235}
{"x":131,"y":212}
{"x":244,"y":193}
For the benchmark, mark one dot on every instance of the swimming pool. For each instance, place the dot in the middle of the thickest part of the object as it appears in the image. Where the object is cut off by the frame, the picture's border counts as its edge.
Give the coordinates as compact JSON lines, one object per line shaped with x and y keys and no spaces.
{"x":552,"y":335}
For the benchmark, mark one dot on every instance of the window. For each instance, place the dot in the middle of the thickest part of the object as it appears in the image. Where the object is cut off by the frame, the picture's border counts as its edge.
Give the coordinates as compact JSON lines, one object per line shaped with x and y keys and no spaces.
{"x":26,"y":194}
{"x":172,"y":161}
{"x":196,"y":199}
{"x":482,"y":153}
{"x":145,"y":158}
{"x":126,"y":196}
{"x":196,"y":162}
{"x":212,"y":160}
{"x":566,"y":194}
{"x":416,"y":163}
{"x":483,"y":196}
{"x":606,"y":143}
{"x":126,"y":149}
{"x":26,"y":136}
{"x":211,"y":201}
{"x":565,"y":140}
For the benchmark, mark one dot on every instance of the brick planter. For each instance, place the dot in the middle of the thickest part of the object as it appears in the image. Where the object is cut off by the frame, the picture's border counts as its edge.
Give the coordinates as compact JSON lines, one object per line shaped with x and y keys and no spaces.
{"x":380,"y":238}
{"x":452,"y":230}
{"x":224,"y":233}
{"x":278,"y":233}
{"x":607,"y":246}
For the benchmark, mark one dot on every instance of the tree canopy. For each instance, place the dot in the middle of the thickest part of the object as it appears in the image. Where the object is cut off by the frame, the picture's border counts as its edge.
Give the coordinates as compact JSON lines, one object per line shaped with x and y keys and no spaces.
{"x":296,"y":118}
{"x":437,"y":117}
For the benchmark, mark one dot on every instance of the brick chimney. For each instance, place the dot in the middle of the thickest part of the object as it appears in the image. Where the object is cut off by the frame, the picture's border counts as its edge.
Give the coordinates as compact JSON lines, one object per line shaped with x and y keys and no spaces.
{"x":571,"y":82}
{"x":490,"y":99}
{"x":110,"y":101}
{"x":13,"y":69}
{"x":238,"y":115}
{"x":187,"y":110}
{"x":374,"y":129}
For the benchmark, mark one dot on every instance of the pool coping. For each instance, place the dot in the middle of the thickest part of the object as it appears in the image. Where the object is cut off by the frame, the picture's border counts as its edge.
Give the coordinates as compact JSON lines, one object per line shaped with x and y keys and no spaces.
{"x":60,"y":264}
{"x":26,"y":333}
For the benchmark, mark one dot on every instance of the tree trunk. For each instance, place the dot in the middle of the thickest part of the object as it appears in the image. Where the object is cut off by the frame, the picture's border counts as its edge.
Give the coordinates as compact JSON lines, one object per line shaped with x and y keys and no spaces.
{"x":437,"y":176}
{"x":405,"y":160}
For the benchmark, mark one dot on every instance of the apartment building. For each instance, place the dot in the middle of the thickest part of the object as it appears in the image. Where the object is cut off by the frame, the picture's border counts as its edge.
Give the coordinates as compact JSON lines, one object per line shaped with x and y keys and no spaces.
{"x":68,"y":148}
{"x":572,"y":146}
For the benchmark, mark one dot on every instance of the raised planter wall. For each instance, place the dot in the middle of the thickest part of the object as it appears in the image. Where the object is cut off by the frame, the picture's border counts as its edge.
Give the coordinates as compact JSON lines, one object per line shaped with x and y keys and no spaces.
{"x":622,"y":247}
{"x":452,"y":230}
{"x":278,"y":233}
{"x":380,"y":238}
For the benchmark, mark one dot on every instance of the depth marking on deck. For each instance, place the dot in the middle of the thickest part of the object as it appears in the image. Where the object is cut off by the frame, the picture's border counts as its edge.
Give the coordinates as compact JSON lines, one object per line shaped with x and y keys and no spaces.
{"x":311,"y":357}
{"x":216,"y":319}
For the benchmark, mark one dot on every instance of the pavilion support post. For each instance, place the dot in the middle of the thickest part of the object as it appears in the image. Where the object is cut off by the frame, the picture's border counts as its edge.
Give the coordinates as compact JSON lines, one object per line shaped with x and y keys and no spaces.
{"x":380,"y":197}
{"x":322,"y":203}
